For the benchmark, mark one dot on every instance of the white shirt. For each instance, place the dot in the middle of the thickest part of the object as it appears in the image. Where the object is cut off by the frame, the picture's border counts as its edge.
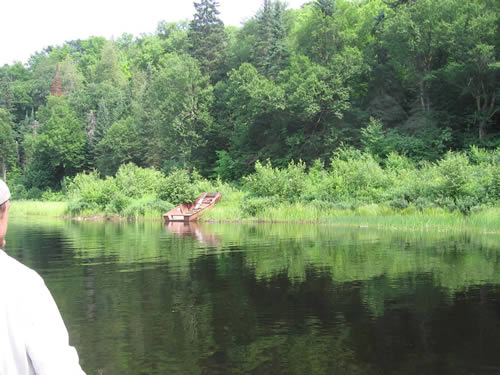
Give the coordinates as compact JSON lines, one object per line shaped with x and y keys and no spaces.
{"x":33,"y":337}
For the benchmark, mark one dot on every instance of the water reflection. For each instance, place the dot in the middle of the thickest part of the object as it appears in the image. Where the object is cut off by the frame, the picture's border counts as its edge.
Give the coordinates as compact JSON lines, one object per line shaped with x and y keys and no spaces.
{"x":192,"y":229}
{"x":259,"y":299}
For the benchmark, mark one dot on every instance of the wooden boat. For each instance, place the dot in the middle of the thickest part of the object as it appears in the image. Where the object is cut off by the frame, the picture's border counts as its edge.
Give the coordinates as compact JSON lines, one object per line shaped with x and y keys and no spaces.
{"x":192,"y":211}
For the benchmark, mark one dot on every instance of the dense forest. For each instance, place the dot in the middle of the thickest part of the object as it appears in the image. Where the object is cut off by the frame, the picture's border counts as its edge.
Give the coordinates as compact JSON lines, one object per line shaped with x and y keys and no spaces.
{"x":412,"y":77}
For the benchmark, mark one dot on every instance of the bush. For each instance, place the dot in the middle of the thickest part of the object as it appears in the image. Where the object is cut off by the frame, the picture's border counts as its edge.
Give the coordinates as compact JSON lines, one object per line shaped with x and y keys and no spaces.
{"x":79,"y":205}
{"x":134,"y":182}
{"x":34,"y":193}
{"x":359,"y":175}
{"x":91,"y":189}
{"x":287,"y":184}
{"x":178,"y":188}
{"x":145,"y":205}
{"x":319,"y":184}
{"x":118,"y":203}
{"x":18,"y":192}
{"x":53,"y":196}
{"x":252,"y":206}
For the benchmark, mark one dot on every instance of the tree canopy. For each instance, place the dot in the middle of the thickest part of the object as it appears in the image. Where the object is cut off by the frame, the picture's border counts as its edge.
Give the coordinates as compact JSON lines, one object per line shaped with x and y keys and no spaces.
{"x":415,"y":77}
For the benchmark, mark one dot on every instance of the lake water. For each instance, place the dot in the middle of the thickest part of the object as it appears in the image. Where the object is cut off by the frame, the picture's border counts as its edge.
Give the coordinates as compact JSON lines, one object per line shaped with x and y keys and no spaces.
{"x":269,"y":299}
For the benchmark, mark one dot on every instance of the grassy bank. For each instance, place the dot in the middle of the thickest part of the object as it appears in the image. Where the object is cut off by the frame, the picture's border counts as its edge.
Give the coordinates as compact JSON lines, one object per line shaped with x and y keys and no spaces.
{"x":229,"y":210}
{"x":462,"y":190}
{"x":42,"y":208}
{"x":372,"y":215}
{"x":61,"y":209}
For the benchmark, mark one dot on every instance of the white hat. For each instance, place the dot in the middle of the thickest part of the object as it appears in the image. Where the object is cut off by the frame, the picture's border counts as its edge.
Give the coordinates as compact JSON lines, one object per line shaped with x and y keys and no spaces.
{"x":4,"y":192}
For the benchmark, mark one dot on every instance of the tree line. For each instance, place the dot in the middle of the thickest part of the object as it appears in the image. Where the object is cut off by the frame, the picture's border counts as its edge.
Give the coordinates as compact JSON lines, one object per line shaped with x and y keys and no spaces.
{"x":414,"y":77}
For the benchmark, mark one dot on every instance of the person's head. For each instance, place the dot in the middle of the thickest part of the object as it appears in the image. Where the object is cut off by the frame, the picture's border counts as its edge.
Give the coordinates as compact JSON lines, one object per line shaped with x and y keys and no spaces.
{"x":4,"y":211}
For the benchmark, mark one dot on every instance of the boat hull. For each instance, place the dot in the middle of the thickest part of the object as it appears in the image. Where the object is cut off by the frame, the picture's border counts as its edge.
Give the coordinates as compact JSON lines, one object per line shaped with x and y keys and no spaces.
{"x":194,"y":210}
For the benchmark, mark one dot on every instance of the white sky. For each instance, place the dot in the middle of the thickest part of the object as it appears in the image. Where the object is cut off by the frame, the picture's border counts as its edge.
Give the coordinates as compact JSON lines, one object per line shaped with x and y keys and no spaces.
{"x":28,"y":26}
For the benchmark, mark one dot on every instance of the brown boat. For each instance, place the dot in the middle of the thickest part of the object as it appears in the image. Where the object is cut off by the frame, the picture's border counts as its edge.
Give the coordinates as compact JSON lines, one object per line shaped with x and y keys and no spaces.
{"x":192,"y":211}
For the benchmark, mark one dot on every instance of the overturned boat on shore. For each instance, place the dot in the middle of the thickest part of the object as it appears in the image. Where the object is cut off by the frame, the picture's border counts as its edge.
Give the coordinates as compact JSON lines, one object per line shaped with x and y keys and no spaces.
{"x":194,"y":210}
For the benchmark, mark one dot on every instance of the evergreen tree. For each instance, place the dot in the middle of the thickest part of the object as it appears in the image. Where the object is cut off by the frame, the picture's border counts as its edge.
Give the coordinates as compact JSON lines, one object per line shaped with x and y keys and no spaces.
{"x":278,"y":55}
{"x":271,"y":51}
{"x":208,"y":39}
{"x":327,"y":7}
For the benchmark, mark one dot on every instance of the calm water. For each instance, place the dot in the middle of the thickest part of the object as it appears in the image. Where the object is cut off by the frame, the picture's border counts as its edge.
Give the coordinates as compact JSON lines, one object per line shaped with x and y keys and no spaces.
{"x":269,"y":299}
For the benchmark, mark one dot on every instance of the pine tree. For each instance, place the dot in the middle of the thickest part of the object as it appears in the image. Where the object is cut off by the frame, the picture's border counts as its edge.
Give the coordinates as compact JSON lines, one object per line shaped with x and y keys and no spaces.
{"x":208,"y":39}
{"x":265,"y":37}
{"x":271,"y":50}
{"x":327,"y":7}
{"x":278,"y":54}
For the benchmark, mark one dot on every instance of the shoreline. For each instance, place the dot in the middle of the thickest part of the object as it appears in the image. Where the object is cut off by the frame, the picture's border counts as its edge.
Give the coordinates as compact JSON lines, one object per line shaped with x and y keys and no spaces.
{"x":487,"y":221}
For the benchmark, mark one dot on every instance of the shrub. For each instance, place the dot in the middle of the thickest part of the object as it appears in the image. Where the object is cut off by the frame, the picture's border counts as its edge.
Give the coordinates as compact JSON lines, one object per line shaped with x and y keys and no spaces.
{"x":359,"y":175}
{"x":226,"y":167}
{"x":118,"y":203}
{"x":18,"y":192}
{"x":53,"y":196}
{"x":287,"y":184}
{"x":78,"y":205}
{"x":319,"y":184}
{"x":134,"y":182}
{"x":252,"y":206}
{"x":91,"y":189}
{"x":34,"y":193}
{"x":178,"y":188}
{"x":145,"y":205}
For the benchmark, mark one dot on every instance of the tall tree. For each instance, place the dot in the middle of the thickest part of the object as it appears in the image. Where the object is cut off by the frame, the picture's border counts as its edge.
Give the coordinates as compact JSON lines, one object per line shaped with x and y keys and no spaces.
{"x":474,"y":60}
{"x":251,"y":114}
{"x":316,"y":99}
{"x":7,"y":144}
{"x":121,"y":144}
{"x":414,"y":39}
{"x":208,"y":39}
{"x":59,"y":148}
{"x":178,"y":105}
{"x":271,"y":50}
{"x":109,"y":68}
{"x":318,"y":36}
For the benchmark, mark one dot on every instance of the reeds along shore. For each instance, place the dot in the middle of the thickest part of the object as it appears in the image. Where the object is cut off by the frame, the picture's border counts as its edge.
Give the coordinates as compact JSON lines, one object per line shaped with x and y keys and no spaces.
{"x":373,"y":215}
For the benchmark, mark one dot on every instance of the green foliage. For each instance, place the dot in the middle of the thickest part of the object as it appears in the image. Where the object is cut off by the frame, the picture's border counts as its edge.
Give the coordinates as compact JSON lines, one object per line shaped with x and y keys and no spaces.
{"x":109,"y":68}
{"x":225,"y":166}
{"x":208,"y":39}
{"x":53,"y":196}
{"x":270,"y":49}
{"x":373,"y":138}
{"x":121,"y":144}
{"x":253,"y":206}
{"x":412,"y":78}
{"x":358,"y":175}
{"x":147,"y":206}
{"x":136,"y":182}
{"x":129,"y":188}
{"x":7,"y":145}
{"x":178,"y":104}
{"x":178,"y":188}
{"x":91,"y":190}
{"x":117,"y":204}
{"x":286,"y":184}
{"x":60,"y":145}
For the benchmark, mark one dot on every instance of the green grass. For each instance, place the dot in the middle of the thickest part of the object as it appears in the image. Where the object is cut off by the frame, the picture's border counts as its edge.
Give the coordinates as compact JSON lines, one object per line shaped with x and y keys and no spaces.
{"x":37,"y":208}
{"x":373,"y":215}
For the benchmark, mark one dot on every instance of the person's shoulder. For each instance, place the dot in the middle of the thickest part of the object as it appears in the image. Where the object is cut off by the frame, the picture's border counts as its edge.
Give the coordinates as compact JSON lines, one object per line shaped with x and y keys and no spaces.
{"x":14,"y":271}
